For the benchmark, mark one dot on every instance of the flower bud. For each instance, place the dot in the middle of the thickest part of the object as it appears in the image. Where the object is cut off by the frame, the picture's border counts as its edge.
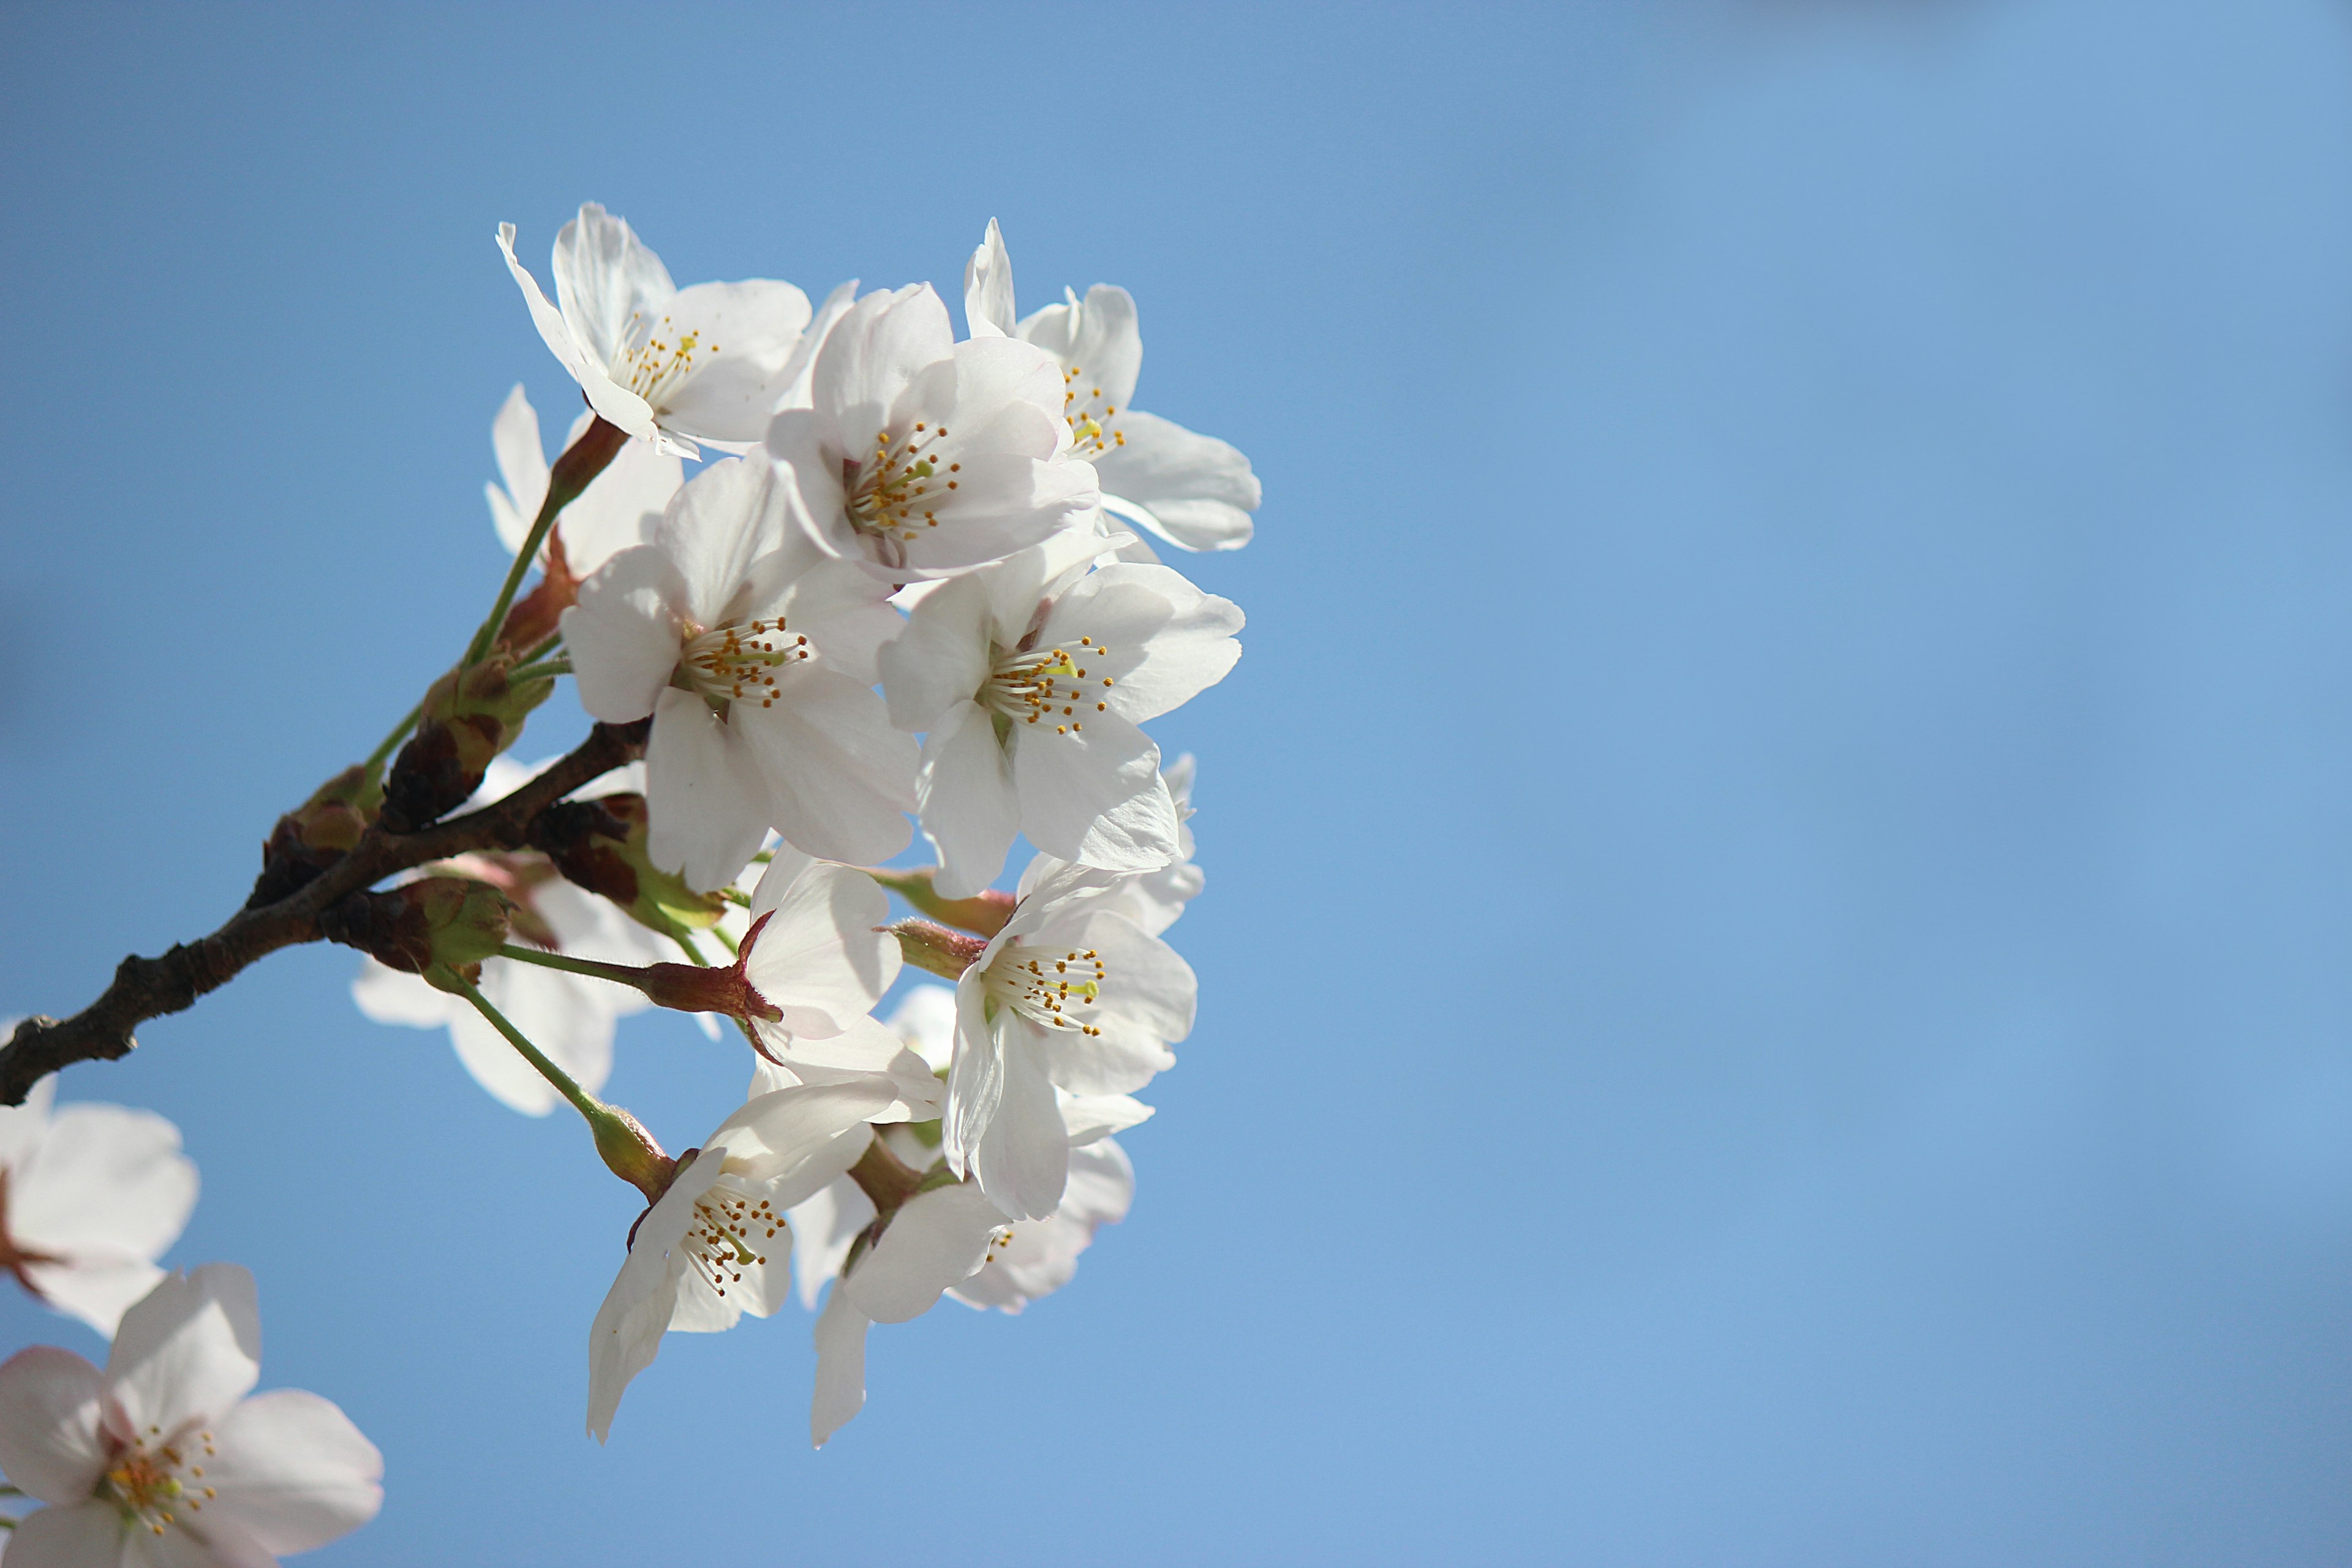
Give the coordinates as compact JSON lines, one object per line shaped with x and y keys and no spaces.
{"x":985,"y":911}
{"x":601,"y":845}
{"x":434,"y":924}
{"x":630,"y":1153}
{"x":316,"y":834}
{"x":469,"y":716}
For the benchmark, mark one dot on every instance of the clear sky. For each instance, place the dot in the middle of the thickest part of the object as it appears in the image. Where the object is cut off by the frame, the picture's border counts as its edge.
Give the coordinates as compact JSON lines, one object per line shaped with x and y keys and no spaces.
{"x":1774,"y":973}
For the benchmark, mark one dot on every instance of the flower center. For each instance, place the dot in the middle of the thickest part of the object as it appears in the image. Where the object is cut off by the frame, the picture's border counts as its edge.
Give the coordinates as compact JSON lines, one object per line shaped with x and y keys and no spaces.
{"x":1026,"y":686}
{"x":720,"y":1242}
{"x":1049,"y":989}
{"x":660,"y":360}
{"x":896,"y":486}
{"x":145,"y":1483}
{"x":1091,"y":432}
{"x":734,"y":664}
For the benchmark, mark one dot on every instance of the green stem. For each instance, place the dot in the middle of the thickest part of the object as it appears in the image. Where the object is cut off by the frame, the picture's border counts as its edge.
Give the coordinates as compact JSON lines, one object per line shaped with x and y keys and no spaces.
{"x":739,"y":897}
{"x":618,"y":974}
{"x":544,"y":649}
{"x":588,"y":1105}
{"x":581,"y":462}
{"x":546,"y":669}
{"x":390,"y":743}
{"x":685,"y":942}
{"x":734,"y":948}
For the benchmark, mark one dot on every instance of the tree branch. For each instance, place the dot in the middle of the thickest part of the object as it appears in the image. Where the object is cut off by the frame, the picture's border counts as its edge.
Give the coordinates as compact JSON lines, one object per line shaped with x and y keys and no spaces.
{"x":146,"y":988}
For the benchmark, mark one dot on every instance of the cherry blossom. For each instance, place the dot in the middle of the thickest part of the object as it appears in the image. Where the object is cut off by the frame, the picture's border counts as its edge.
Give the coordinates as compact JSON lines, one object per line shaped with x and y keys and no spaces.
{"x":1194,"y":491}
{"x":918,"y":457}
{"x":90,"y":1195}
{"x":163,"y":1459}
{"x":755,"y":658}
{"x":716,"y":1244}
{"x":620,"y":507}
{"x":1032,"y":678}
{"x":676,"y":367}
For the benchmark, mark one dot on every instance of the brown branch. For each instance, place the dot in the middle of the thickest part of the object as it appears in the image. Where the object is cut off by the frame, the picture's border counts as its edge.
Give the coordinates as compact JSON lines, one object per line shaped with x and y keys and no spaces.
{"x":146,"y":988}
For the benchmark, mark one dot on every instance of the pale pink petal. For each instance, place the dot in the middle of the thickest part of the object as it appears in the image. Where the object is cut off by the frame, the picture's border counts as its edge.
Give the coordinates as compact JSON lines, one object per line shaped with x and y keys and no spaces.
{"x":50,"y":1406}
{"x":187,"y":1351}
{"x":292,"y":1472}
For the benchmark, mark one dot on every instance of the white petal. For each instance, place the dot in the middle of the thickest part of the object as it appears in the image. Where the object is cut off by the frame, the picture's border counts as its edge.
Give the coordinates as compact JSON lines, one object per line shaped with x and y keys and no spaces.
{"x":96,"y":1287}
{"x":988,"y":287}
{"x":84,"y":1535}
{"x":838,"y":775}
{"x":621,"y":508}
{"x":840,"y":1367}
{"x":1089,"y":1117}
{"x":824,"y":1228}
{"x":51,"y":1445}
{"x":189,"y":1350}
{"x":1024,"y":1157}
{"x":522,"y":464}
{"x":792,"y":1132}
{"x":965,"y":795}
{"x":742,"y":360}
{"x":292,"y":1471}
{"x":391,"y":996}
{"x":865,"y":1050}
{"x":627,"y":1332}
{"x":800,"y":367}
{"x":926,"y":1021}
{"x":1193,"y":490}
{"x":1150,"y":988}
{"x":938,"y":1238}
{"x":708,"y":803}
{"x":1093,"y":796}
{"x":723,"y":519}
{"x":1162,"y":639}
{"x":1106,"y":349}
{"x":22,"y":1127}
{"x":107,"y":1178}
{"x":976,"y":1078}
{"x":623,"y":633}
{"x":614,"y":401}
{"x":606,"y":278}
{"x":941,"y":658}
{"x":820,"y":957}
{"x":880,"y":347}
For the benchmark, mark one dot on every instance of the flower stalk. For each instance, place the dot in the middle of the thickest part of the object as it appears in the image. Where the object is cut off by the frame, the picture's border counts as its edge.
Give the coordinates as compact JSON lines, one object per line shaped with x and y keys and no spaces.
{"x":581,"y":462}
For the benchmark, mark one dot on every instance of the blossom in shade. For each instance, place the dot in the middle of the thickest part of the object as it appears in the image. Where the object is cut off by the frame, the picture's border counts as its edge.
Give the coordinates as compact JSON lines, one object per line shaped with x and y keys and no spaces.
{"x":717,"y":1244}
{"x":1070,"y":995}
{"x":1032,"y":679}
{"x":1192,"y":491}
{"x":918,"y":457}
{"x":90,"y":1195}
{"x":754,"y":654}
{"x":570,"y":1017}
{"x":620,"y":507}
{"x":674,"y":366}
{"x":163,"y":1459}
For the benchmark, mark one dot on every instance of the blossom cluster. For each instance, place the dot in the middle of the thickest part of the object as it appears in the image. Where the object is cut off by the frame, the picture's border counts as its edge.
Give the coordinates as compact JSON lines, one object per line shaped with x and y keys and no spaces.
{"x":849,"y":570}
{"x":824,"y":577}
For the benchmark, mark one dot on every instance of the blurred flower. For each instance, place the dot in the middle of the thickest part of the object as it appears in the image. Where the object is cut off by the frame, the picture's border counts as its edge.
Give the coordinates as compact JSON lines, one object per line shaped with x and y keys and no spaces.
{"x":716,"y":1244}
{"x":162,"y":1459}
{"x":754,"y":658}
{"x":920,"y":457}
{"x":1194,"y":491}
{"x":676,"y":367}
{"x":90,"y":1195}
{"x":1072,"y":994}
{"x":1030,"y":678}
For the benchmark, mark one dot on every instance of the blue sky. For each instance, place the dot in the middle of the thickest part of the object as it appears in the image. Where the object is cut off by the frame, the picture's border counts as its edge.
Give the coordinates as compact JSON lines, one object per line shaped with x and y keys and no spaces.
{"x":1773,"y":975}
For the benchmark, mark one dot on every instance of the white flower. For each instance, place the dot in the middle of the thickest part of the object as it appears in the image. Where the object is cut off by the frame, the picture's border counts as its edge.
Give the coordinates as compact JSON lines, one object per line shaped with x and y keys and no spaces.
{"x":673,"y":367}
{"x":1031,"y":680}
{"x":89,"y":1198}
{"x":716,"y":1244}
{"x":936,"y":1239}
{"x":919,"y":456}
{"x":1037,"y":1256}
{"x":754,"y":655}
{"x":1154,"y":900}
{"x":619,"y":508}
{"x":1070,"y":993}
{"x":570,"y":1017}
{"x":1194,"y":491}
{"x":160,"y":1459}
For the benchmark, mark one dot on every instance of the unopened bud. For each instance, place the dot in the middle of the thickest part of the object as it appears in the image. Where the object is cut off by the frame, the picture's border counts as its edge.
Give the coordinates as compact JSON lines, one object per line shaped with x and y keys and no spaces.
{"x":469,"y":716}
{"x":601,"y":845}
{"x":434,"y":924}
{"x":630,"y":1153}
{"x":985,"y":911}
{"x":936,"y":948}
{"x":317,"y":833}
